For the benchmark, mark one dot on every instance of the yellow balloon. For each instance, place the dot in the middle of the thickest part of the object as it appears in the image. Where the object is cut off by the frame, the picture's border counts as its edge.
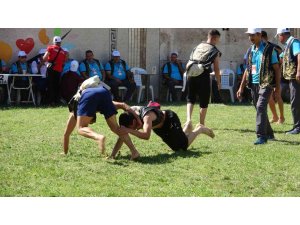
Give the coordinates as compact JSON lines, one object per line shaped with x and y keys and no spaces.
{"x":43,"y":36}
{"x":5,"y":51}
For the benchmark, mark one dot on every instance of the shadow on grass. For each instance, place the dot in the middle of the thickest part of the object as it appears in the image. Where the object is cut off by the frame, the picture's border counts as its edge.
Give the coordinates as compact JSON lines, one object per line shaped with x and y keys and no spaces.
{"x":280,"y":131}
{"x":161,"y":158}
{"x":31,"y":106}
{"x":288,"y":142}
{"x":238,"y":130}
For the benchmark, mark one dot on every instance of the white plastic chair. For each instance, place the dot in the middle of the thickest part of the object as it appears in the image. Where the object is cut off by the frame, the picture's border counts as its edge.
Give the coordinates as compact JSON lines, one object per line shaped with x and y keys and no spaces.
{"x":122,"y":91}
{"x":169,"y":97}
{"x":227,"y":81}
{"x":28,"y":88}
{"x":138,"y":80}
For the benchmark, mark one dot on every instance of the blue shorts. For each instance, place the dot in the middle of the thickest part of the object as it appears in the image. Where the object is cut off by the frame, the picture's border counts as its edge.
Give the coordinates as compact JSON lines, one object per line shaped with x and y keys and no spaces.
{"x":96,"y":100}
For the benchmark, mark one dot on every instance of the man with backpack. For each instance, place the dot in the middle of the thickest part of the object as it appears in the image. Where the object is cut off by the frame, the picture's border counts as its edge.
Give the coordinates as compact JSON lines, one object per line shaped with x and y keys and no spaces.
{"x":198,"y":73}
{"x":91,"y":67}
{"x":173,"y":75}
{"x":119,"y":74}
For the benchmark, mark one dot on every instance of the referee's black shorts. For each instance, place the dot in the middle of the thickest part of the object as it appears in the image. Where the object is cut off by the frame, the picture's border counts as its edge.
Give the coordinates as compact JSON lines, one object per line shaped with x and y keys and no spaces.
{"x":199,"y":86}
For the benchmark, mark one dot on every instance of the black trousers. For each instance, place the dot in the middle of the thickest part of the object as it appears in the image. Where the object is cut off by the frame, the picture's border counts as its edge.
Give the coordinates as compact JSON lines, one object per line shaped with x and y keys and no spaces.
{"x":295,"y":103}
{"x":199,"y":86}
{"x":261,"y":98}
{"x":171,"y":85}
{"x":131,"y":86}
{"x":171,"y":132}
{"x":53,"y":86}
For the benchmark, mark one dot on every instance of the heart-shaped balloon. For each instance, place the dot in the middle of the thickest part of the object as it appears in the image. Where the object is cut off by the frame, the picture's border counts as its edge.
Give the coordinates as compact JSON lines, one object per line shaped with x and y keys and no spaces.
{"x":25,"y":45}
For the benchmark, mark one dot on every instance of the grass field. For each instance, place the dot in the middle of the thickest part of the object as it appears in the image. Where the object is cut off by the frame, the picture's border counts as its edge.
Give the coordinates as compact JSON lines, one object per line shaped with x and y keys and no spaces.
{"x":229,"y":165}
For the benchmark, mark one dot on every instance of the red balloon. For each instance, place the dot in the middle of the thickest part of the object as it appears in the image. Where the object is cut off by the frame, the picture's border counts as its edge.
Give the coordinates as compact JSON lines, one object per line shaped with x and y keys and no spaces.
{"x":25,"y":45}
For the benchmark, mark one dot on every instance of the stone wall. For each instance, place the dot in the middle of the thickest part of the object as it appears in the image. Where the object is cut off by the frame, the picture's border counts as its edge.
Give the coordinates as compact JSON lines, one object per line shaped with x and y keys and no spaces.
{"x":148,"y":48}
{"x":233,"y":43}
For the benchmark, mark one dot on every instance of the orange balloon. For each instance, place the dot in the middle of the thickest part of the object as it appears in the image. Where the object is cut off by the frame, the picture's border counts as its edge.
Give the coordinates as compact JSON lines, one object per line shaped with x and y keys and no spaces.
{"x":5,"y":51}
{"x":43,"y":36}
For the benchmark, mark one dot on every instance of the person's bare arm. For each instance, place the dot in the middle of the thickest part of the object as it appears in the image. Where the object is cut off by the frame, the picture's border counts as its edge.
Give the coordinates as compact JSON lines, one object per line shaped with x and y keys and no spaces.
{"x":103,"y":75}
{"x":110,"y":76}
{"x":45,"y":57}
{"x":181,"y":70}
{"x":145,"y":133}
{"x":117,"y":147}
{"x":113,"y":125}
{"x":125,"y":107}
{"x":242,"y":85}
{"x":84,"y":74}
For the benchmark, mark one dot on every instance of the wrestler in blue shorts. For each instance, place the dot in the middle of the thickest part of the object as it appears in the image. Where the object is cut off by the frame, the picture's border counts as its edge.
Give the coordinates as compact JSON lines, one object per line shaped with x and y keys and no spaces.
{"x":93,"y":100}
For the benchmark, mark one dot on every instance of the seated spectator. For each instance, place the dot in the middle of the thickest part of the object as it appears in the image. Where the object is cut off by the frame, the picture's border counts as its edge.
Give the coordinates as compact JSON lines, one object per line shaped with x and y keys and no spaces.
{"x":3,"y":91}
{"x":21,"y":66}
{"x":3,"y":68}
{"x":118,"y":74}
{"x":40,"y":83}
{"x":173,"y":74}
{"x":67,"y":64}
{"x":70,"y":82}
{"x":91,"y":67}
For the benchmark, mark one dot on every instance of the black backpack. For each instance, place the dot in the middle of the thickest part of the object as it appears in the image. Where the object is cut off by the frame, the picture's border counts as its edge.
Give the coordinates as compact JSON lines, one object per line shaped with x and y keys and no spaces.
{"x":168,"y":64}
{"x":164,"y":80}
{"x":18,"y":64}
{"x":88,"y":67}
{"x":112,"y":66}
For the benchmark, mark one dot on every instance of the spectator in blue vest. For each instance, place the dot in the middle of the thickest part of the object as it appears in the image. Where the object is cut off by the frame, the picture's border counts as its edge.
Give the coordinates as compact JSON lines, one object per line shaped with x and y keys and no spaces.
{"x":173,"y":74}
{"x":21,"y":66}
{"x":119,"y":74}
{"x":3,"y":90}
{"x":275,"y":118}
{"x":291,"y":72}
{"x":263,"y":75}
{"x":91,"y":67}
{"x":3,"y":68}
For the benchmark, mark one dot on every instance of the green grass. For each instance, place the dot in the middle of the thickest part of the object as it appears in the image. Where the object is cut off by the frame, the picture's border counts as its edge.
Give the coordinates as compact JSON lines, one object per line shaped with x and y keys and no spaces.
{"x":229,"y":165}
